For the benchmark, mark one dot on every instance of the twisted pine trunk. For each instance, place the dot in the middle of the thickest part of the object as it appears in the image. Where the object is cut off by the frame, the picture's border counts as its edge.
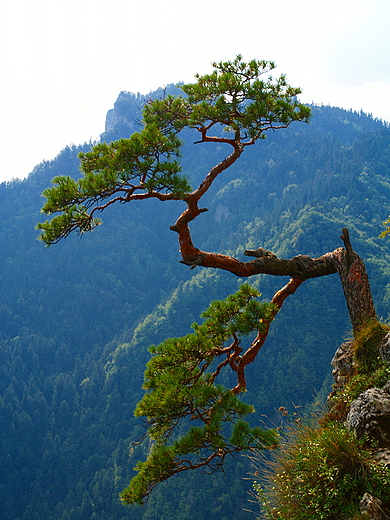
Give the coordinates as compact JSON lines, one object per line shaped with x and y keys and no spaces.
{"x":355,"y":283}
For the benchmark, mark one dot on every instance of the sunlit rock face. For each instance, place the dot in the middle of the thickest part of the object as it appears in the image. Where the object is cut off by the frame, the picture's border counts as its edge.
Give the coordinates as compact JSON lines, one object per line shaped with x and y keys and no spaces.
{"x":342,"y":365}
{"x":371,"y":508}
{"x":384,"y":350}
{"x":370,"y":412}
{"x":370,"y":415}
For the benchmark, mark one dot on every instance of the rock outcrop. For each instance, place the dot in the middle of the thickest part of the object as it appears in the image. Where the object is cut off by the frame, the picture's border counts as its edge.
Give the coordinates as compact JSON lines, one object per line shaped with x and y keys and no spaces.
{"x":370,"y":415}
{"x":384,"y":349}
{"x":342,"y":365}
{"x":371,"y":508}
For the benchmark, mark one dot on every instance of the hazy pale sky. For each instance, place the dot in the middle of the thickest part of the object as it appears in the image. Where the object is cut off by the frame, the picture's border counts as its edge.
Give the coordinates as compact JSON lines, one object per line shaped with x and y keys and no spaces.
{"x":64,"y":62}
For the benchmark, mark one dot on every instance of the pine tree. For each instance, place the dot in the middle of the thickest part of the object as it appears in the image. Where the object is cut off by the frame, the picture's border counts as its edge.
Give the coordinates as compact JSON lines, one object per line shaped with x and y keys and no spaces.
{"x":235,"y":105}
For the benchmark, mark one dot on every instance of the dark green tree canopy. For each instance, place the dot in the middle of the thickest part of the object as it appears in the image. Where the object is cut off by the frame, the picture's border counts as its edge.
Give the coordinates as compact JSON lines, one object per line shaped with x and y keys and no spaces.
{"x":233,"y":98}
{"x":181,"y":383}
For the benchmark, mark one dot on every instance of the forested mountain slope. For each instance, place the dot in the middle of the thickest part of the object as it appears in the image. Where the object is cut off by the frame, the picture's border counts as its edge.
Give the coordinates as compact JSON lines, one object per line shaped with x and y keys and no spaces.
{"x":76,"y":319}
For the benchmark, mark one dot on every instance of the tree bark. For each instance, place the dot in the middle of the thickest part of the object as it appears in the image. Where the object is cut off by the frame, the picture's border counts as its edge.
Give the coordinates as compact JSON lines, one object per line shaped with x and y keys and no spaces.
{"x":355,"y":283}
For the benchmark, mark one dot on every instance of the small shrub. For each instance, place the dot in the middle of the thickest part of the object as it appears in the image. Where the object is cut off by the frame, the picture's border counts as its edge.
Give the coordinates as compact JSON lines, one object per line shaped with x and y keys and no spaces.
{"x":322,"y":473}
{"x":366,"y":345}
{"x":360,"y":382}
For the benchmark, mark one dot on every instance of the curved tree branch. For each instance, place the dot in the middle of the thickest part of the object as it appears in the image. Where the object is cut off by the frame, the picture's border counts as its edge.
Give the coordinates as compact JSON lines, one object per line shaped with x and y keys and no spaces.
{"x":344,"y":261}
{"x":250,"y":355}
{"x":300,"y":266}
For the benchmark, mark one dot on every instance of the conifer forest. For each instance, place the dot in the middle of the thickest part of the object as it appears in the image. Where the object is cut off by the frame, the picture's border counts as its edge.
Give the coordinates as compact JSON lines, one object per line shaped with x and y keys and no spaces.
{"x":77,"y":318}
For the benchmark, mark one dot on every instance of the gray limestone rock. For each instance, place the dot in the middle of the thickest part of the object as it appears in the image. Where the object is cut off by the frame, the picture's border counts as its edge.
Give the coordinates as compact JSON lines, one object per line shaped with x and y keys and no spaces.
{"x":371,"y":508}
{"x":370,"y":414}
{"x":384,"y":349}
{"x":342,"y":364}
{"x":382,"y":455}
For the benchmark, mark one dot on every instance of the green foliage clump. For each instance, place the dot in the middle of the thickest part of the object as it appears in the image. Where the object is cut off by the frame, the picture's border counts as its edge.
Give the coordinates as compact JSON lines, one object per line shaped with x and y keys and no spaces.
{"x":235,"y":97}
{"x":182,"y":396}
{"x":366,"y":345}
{"x":146,"y":165}
{"x":360,"y":382}
{"x":368,"y":368}
{"x":322,"y":473}
{"x":147,"y":161}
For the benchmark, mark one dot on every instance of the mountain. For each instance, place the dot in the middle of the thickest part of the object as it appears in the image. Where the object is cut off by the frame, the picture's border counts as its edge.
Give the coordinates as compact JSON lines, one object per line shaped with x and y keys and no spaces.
{"x":76,"y":319}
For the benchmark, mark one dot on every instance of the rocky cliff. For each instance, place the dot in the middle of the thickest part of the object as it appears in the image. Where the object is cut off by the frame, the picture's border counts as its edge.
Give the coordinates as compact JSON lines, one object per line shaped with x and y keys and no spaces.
{"x":368,"y":414}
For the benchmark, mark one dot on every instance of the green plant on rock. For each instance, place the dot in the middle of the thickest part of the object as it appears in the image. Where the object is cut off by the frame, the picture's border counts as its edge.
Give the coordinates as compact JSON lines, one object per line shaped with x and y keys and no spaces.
{"x":233,"y":106}
{"x":322,"y":473}
{"x":368,"y":368}
{"x":366,"y":345}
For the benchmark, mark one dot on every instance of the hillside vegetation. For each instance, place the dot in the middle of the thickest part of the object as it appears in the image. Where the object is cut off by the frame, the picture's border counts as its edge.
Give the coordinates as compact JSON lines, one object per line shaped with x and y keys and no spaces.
{"x":76,"y":320}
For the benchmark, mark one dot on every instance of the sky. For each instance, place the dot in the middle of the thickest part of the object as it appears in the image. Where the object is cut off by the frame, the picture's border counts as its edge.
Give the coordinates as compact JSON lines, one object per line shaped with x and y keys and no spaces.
{"x":64,"y":62}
